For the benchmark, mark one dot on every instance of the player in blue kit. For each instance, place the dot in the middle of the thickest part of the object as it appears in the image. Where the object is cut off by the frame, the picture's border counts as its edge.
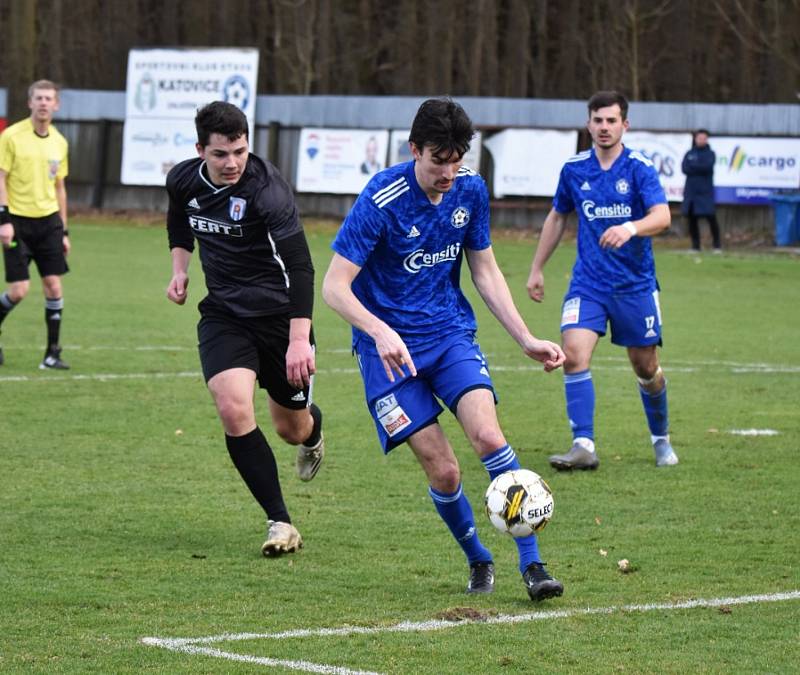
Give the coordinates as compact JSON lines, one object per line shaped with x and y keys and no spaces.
{"x":620,"y":205}
{"x":395,"y":277}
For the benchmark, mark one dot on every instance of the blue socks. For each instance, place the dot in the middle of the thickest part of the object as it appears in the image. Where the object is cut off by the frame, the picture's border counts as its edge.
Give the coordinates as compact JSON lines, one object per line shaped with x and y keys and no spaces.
{"x":579,"y":392}
{"x":456,"y":511}
{"x":655,"y":408}
{"x":502,"y":460}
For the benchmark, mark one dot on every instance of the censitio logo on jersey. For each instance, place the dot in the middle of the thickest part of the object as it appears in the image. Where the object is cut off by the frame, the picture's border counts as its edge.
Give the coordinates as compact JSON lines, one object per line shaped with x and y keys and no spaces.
{"x":592,"y":211}
{"x":214,"y":227}
{"x":459,"y":217}
{"x":415,"y":261}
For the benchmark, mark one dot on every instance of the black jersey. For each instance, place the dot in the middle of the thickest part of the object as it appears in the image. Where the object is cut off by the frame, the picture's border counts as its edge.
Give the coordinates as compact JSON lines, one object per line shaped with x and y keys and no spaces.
{"x":252,"y":246}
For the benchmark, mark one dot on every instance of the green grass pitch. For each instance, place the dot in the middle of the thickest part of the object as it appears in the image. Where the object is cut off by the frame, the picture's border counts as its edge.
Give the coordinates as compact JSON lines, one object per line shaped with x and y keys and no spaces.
{"x":122,"y":517}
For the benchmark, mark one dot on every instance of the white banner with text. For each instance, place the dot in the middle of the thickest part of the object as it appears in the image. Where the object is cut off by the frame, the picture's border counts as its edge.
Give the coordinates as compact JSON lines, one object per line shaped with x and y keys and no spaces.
{"x":666,"y":151}
{"x":339,"y":161}
{"x":165,"y":87}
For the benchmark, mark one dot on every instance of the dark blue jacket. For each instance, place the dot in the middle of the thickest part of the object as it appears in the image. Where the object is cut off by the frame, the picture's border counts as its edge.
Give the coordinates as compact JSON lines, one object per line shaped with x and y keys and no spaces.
{"x":698,"y":193}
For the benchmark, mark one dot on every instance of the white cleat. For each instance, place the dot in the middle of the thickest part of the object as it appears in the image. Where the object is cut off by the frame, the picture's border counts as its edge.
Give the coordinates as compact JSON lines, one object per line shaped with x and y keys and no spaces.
{"x":281,"y":538}
{"x":309,"y":459}
{"x":665,"y":455}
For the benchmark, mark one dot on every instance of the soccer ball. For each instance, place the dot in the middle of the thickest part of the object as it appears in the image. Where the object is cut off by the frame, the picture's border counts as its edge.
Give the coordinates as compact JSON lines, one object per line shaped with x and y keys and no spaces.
{"x":519,"y":502}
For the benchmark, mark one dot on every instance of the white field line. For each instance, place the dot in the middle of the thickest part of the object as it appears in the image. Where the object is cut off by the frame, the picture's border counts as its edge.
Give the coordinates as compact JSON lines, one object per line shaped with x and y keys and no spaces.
{"x":194,"y":645}
{"x":669,"y":363}
{"x":695,"y":366}
{"x":754,"y":432}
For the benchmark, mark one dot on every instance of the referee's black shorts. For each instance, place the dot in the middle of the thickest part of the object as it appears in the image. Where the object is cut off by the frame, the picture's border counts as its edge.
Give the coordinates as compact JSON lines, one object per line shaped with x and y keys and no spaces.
{"x":37,"y":239}
{"x":259,"y":343}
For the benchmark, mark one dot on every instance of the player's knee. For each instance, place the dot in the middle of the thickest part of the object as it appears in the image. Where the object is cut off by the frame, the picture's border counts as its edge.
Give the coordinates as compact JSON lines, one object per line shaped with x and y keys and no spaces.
{"x":52,"y":286}
{"x":18,"y":290}
{"x":651,"y":381}
{"x":290,"y":432}
{"x":488,"y":439}
{"x":576,"y":361}
{"x":446,"y":477}
{"x":236,"y":415}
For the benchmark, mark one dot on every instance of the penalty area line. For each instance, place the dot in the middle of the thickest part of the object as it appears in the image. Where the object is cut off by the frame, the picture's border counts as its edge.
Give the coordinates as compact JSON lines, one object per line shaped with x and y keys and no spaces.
{"x":196,"y":645}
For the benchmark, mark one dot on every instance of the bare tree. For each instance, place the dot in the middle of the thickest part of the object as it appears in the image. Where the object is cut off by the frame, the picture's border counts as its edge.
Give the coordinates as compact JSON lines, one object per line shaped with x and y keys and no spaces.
{"x":643,"y":22}
{"x":778,"y":35}
{"x":723,"y":50}
{"x":19,"y":56}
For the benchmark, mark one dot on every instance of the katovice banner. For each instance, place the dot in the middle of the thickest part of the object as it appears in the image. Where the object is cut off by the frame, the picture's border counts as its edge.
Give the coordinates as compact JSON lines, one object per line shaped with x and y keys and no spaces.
{"x":165,"y":87}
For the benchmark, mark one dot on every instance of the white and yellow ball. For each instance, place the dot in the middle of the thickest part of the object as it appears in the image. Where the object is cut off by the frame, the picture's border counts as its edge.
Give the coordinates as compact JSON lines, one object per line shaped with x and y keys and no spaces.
{"x":519,"y":502}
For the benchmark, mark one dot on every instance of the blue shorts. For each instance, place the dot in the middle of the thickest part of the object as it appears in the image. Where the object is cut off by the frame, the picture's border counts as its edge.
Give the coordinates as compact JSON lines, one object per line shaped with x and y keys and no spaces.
{"x":446,"y":371}
{"x":635,"y":319}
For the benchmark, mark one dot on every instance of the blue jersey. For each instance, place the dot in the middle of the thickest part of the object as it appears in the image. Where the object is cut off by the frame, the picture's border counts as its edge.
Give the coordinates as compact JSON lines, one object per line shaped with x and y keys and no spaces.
{"x":410,"y":253}
{"x":604,"y":198}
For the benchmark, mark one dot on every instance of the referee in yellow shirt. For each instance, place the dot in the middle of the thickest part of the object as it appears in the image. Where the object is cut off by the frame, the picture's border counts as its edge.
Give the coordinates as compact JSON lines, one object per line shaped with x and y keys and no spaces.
{"x":33,"y":211}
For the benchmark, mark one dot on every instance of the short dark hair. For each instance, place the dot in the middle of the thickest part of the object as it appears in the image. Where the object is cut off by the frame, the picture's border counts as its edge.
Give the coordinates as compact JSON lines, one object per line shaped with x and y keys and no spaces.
{"x":701,"y":131}
{"x":442,"y":124}
{"x":222,"y":118}
{"x":604,"y":99}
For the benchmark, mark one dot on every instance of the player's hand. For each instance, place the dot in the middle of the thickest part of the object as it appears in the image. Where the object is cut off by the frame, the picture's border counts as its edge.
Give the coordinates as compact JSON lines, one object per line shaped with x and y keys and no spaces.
{"x":394,"y":353}
{"x":546,"y":352}
{"x":535,"y":286}
{"x":6,"y":235}
{"x":300,"y":363}
{"x":65,"y":243}
{"x":176,"y":291}
{"x":615,"y":237}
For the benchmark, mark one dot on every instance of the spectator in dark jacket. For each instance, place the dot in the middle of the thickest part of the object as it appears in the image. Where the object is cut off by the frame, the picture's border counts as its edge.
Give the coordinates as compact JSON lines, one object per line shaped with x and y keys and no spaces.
{"x":698,"y":194}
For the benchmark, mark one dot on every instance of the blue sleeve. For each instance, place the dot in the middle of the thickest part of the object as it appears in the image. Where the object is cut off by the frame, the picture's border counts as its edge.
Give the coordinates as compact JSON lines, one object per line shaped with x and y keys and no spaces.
{"x":360,"y":231}
{"x":562,"y":201}
{"x":650,"y":187}
{"x":478,"y":235}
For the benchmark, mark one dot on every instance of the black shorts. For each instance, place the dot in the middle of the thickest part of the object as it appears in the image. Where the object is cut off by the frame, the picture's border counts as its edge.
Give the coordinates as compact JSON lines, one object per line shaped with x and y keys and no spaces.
{"x":258,"y":343}
{"x":38,"y":239}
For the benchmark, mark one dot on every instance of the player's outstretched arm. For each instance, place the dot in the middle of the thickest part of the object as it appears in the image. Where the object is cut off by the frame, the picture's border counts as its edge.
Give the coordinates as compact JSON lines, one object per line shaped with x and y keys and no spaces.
{"x":338,"y":294}
{"x":492,"y":286}
{"x":177,"y":288}
{"x":548,"y":353}
{"x":552,"y":230}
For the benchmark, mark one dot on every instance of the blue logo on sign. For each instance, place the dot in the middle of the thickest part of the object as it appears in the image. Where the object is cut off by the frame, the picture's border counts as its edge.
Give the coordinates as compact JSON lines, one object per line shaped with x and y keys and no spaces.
{"x":236,"y":91}
{"x":312,"y":145}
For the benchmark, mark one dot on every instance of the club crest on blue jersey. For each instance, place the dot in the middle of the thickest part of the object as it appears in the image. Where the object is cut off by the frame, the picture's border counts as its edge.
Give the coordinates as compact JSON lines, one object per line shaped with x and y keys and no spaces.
{"x":622,"y":186}
{"x":236,"y":208}
{"x":459,"y":217}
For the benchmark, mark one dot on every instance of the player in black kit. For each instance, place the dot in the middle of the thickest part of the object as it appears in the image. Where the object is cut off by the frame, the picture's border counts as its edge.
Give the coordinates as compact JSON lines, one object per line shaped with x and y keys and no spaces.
{"x":255,"y":322}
